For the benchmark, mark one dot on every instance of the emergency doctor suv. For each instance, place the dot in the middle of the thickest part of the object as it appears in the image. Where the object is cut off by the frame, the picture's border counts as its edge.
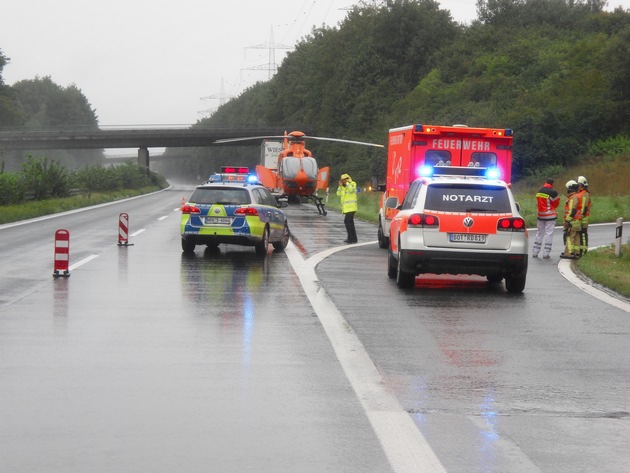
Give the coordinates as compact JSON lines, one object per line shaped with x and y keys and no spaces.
{"x":233,"y":207}
{"x":458,"y":222}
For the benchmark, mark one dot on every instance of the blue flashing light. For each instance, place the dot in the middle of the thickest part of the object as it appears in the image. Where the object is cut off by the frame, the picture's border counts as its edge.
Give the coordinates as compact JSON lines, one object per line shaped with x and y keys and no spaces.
{"x":252,"y":178}
{"x":509,"y":132}
{"x":493,"y":173}
{"x":419,"y":128}
{"x":426,"y":171}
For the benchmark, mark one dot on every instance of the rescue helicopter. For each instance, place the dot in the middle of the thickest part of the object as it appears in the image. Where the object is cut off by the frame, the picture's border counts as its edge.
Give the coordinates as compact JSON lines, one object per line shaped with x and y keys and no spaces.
{"x":297,"y":175}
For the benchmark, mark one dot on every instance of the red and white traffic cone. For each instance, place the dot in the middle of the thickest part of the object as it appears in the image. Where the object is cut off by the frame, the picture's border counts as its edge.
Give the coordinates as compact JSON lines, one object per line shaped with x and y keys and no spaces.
{"x":62,"y":254}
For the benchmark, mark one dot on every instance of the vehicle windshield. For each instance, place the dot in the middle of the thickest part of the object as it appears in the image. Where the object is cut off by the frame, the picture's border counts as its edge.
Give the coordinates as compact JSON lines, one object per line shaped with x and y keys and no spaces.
{"x":220,"y":195}
{"x":467,"y":198}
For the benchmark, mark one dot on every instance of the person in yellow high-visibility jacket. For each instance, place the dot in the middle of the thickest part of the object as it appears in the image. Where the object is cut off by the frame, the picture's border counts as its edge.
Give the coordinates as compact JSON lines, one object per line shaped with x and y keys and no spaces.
{"x":347,"y":191}
{"x":572,"y":222}
{"x":585,"y":196}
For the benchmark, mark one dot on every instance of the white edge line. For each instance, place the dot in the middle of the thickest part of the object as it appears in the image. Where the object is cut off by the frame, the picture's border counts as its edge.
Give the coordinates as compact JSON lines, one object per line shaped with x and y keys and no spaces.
{"x":82,"y":209}
{"x":404,"y":445}
{"x":566,"y":269}
{"x":82,"y":262}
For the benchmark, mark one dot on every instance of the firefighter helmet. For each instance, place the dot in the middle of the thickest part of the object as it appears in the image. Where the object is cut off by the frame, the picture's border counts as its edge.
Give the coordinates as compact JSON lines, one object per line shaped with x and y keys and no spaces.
{"x":572,"y":186}
{"x":582,"y":180}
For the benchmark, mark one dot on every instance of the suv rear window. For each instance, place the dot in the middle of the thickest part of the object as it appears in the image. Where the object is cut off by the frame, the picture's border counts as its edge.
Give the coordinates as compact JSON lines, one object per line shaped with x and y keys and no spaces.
{"x":467,"y":198}
{"x":220,"y":195}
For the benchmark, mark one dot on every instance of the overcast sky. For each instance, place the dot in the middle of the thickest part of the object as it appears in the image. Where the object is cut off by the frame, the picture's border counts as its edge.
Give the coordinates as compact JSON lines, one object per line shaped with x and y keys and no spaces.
{"x":163,"y":62}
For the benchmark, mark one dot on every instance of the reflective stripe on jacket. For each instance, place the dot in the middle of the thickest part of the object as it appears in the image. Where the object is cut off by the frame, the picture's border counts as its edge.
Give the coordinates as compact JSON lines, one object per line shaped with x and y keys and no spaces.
{"x":573,"y":210}
{"x":547,"y":200}
{"x":585,"y":198}
{"x":348,"y":194}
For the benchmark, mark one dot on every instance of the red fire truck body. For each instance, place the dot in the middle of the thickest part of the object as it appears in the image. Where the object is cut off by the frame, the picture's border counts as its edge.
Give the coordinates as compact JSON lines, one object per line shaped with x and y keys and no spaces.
{"x":412,"y":147}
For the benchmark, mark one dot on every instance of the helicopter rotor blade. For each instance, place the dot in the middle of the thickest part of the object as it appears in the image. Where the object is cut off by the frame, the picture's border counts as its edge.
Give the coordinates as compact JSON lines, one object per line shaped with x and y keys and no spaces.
{"x":298,"y":138}
{"x":232,"y":140}
{"x":339,"y":140}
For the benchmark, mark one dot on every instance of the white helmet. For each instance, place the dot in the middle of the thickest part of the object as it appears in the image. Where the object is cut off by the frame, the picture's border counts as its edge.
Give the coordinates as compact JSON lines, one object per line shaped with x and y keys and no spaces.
{"x":582,"y":180}
{"x":572,"y":185}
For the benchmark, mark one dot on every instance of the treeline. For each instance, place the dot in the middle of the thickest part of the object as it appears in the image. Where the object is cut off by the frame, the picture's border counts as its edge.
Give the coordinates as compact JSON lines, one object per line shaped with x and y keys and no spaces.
{"x":42,"y":178}
{"x":40,"y":104}
{"x":554,"y":71}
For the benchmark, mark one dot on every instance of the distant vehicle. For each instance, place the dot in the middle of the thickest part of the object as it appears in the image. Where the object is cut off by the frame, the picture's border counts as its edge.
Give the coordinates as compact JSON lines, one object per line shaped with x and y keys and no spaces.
{"x":458,"y":222}
{"x":297,"y":174}
{"x":233,"y":207}
{"x":412,"y":147}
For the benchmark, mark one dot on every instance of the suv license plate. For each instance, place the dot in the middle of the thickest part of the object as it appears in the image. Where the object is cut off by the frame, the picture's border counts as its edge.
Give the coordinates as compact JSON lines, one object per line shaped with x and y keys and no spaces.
{"x":218,"y":220}
{"x":466,"y":238}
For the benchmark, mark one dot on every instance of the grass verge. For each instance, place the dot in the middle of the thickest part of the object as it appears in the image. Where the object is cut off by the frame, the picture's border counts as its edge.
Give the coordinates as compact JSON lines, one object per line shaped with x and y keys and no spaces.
{"x":605,"y":268}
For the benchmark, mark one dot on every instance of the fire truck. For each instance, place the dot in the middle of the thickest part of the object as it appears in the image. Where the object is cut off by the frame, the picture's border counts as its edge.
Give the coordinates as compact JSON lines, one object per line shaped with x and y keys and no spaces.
{"x":411,"y":148}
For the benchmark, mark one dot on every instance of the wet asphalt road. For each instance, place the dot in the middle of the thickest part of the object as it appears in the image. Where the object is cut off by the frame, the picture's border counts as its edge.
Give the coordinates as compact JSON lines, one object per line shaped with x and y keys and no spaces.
{"x":148,"y":360}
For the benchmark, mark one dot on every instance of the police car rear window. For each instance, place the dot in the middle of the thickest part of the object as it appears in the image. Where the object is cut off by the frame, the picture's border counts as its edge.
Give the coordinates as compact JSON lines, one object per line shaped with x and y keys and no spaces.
{"x":467,"y":198}
{"x":220,"y":195}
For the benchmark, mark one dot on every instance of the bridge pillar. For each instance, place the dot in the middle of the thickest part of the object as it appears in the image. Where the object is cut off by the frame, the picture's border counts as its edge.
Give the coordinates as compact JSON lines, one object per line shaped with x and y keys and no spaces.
{"x":143,"y":158}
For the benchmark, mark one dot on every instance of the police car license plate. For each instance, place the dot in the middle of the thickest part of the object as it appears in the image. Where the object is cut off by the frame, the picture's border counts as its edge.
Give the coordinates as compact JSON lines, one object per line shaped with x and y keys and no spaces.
{"x":218,"y":220}
{"x":466,"y":238}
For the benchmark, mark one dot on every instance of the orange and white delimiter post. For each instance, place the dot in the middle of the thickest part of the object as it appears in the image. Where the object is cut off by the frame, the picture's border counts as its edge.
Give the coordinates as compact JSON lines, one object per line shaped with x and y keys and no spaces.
{"x":62,"y":253}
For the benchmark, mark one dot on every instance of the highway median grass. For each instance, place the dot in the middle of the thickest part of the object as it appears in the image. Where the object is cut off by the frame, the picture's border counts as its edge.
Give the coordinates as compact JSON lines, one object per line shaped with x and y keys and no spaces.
{"x":39,"y":208}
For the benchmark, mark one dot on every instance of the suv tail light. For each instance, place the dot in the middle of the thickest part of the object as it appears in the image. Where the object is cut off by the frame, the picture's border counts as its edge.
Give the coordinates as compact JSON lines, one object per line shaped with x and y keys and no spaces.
{"x":423,"y":221}
{"x":190,"y":209}
{"x":247,"y":211}
{"x":512,"y":224}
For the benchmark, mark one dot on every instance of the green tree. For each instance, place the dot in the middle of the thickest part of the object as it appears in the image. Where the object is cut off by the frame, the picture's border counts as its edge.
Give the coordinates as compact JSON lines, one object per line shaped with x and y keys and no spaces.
{"x":10,"y":114}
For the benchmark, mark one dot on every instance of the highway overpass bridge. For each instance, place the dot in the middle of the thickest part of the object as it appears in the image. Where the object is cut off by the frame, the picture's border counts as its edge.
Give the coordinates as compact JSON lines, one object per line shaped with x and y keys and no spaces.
{"x":141,"y":138}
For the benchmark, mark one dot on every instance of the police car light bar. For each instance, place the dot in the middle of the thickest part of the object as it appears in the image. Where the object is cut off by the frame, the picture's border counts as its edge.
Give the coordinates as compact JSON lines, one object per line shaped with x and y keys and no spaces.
{"x":234,"y":170}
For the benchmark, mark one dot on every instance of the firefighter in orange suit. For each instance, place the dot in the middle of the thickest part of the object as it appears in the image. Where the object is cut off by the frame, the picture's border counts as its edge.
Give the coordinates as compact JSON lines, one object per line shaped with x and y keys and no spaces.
{"x":572,"y":222}
{"x":585,"y":198}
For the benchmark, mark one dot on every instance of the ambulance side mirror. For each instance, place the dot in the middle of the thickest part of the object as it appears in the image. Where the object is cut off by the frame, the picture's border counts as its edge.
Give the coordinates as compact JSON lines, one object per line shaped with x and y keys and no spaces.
{"x":391,"y":203}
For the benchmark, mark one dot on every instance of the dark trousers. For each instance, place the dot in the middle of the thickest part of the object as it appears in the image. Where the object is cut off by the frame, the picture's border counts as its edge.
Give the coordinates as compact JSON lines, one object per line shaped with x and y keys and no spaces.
{"x":348,"y":220}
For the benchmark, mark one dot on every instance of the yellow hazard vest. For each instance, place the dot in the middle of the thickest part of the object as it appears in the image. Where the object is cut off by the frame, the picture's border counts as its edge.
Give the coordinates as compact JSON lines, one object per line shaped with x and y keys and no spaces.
{"x":348,"y":194}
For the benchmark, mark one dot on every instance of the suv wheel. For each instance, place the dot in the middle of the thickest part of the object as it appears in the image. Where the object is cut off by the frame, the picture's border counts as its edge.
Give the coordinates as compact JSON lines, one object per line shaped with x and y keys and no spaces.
{"x":392,"y":265}
{"x":383,"y":241}
{"x":404,"y":279}
{"x":515,"y":283}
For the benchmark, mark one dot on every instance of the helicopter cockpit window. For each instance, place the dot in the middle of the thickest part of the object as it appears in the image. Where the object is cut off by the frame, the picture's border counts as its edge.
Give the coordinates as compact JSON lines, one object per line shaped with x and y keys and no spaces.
{"x":435,"y":157}
{"x":310,"y":167}
{"x":290,"y":166}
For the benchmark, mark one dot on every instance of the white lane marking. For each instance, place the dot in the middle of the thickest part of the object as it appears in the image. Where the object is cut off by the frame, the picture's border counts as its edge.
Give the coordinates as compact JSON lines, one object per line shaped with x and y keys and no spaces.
{"x":82,"y":262}
{"x":136,"y":233}
{"x":405,"y":447}
{"x":566,"y":269}
{"x":163,"y":218}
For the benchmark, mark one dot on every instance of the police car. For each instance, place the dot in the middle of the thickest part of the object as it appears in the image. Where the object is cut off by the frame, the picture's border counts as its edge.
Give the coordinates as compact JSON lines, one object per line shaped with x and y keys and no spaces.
{"x":233,"y":207}
{"x":458,"y":221}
